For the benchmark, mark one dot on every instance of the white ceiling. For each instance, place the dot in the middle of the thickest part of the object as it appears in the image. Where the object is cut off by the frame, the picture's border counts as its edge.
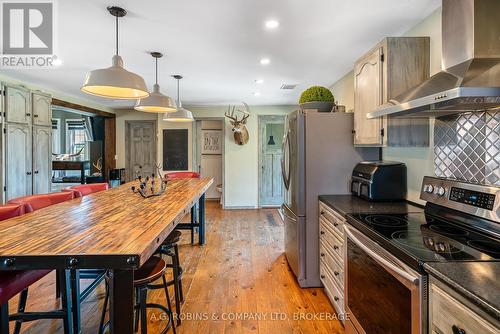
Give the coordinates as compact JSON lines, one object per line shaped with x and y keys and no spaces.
{"x":217,"y":44}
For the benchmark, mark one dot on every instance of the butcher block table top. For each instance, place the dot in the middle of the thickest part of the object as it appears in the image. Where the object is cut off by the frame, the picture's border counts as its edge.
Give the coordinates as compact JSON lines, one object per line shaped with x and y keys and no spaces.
{"x":109,"y":229}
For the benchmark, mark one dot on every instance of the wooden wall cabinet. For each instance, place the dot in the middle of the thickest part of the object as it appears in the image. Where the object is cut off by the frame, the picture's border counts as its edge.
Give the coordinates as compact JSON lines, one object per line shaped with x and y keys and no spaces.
{"x":393,"y":66}
{"x":26,"y":142}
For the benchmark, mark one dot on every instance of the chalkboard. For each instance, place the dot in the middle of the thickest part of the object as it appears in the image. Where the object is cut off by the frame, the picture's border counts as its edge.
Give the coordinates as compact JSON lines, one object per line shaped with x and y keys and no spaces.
{"x":175,"y":149}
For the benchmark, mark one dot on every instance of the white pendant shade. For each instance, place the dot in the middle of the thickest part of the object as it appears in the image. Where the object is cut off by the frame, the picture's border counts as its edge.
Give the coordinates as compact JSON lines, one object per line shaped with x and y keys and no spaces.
{"x":181,"y":115}
{"x":115,"y":82}
{"x":156,"y":102}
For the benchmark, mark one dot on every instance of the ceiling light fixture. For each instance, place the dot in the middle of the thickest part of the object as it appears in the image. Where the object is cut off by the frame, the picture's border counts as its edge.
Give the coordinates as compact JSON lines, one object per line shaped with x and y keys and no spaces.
{"x":259,"y":81}
{"x":265,"y":61}
{"x":156,"y":101}
{"x":115,"y":82}
{"x":272,"y":24}
{"x":181,"y":115}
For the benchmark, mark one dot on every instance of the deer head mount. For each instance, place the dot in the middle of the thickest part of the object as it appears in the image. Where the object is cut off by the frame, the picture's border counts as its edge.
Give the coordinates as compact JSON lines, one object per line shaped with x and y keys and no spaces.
{"x":240,"y":132}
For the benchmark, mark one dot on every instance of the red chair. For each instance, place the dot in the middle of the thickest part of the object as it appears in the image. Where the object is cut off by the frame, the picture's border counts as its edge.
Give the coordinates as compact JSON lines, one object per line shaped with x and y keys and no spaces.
{"x":35,"y":202}
{"x":86,"y":189}
{"x":193,"y":224}
{"x":17,"y":282}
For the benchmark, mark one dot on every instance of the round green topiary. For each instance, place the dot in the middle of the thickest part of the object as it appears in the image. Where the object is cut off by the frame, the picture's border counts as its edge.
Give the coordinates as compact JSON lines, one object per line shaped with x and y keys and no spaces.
{"x":316,"y":94}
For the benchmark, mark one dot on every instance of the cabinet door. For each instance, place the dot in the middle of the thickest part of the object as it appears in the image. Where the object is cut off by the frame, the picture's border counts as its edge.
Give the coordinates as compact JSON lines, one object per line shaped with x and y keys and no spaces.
{"x":42,"y":159}
{"x":42,"y":109}
{"x":368,"y":86}
{"x":18,"y":161}
{"x":17,"y":105}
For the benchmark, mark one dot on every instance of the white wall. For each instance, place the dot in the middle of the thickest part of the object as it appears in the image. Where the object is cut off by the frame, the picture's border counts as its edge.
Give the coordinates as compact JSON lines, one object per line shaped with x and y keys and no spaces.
{"x":419,"y":161}
{"x":240,"y":162}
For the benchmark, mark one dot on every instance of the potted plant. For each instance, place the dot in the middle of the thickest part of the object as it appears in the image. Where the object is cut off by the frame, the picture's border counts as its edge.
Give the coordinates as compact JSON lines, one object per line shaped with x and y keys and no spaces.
{"x":317,"y":97}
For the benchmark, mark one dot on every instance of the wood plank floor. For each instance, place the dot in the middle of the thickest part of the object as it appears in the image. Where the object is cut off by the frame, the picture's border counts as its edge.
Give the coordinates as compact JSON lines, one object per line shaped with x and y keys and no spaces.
{"x":239,"y":282}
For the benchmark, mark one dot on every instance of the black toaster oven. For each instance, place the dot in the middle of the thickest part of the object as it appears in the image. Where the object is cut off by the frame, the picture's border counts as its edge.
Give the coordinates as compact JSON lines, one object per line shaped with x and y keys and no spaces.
{"x":379,"y":180}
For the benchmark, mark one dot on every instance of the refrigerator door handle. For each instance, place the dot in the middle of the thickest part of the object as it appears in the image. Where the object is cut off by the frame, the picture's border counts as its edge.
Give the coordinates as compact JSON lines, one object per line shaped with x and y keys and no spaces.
{"x":286,"y":145}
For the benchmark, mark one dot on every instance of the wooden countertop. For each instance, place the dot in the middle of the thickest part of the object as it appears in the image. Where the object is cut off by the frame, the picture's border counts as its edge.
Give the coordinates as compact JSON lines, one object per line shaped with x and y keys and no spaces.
{"x":108,"y":223}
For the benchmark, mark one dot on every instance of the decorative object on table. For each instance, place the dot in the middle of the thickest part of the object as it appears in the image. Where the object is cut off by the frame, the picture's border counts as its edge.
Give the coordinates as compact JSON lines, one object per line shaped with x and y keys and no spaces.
{"x":212,"y":142}
{"x":317,"y":97}
{"x":115,"y":82}
{"x":98,"y":166}
{"x":156,"y":101}
{"x":240,"y":132}
{"x":150,"y":186}
{"x":181,"y":114}
{"x":66,"y":156}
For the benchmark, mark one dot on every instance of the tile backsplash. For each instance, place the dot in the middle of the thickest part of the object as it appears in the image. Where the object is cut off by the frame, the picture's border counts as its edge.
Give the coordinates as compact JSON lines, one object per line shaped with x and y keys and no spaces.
{"x":467,"y":147}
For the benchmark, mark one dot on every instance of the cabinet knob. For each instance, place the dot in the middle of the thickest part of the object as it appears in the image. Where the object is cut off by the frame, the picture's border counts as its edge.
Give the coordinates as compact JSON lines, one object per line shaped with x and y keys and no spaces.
{"x":322,"y":276}
{"x":28,"y":173}
{"x":35,"y":116}
{"x":322,"y":254}
{"x":458,"y":330}
{"x":36,"y":172}
{"x":28,"y":114}
{"x":322,"y":232}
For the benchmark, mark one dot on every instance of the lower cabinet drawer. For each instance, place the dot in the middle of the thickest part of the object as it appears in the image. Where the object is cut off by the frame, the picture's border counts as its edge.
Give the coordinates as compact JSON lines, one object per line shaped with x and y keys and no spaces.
{"x":331,"y":262}
{"x":326,"y":234}
{"x":449,"y":316}
{"x":332,"y":291}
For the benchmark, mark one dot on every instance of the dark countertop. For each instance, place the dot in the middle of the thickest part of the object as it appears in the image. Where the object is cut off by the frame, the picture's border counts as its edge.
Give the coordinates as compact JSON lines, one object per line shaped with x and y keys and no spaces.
{"x":348,"y":204}
{"x":477,"y":281}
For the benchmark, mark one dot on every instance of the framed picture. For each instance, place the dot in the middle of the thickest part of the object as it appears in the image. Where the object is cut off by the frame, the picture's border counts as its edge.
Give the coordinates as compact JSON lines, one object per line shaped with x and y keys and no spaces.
{"x":211,"y":142}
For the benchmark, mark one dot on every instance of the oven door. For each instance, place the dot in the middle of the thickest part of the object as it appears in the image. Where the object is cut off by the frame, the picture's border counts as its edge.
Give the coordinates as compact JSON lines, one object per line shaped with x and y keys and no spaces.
{"x":382,"y":294}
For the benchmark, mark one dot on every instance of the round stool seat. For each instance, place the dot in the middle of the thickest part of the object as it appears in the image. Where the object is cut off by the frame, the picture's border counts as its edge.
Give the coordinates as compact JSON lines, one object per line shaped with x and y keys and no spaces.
{"x":173,"y":238}
{"x":150,"y":271}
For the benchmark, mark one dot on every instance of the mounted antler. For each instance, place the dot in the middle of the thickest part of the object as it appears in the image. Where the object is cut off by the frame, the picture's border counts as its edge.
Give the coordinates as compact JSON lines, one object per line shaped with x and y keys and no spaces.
{"x":239,"y":129}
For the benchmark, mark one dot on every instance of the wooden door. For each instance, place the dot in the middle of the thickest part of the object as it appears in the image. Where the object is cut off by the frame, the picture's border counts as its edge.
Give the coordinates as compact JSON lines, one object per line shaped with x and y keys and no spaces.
{"x":368,"y":90}
{"x":18,"y":161}
{"x":271,"y":183}
{"x":42,"y":109}
{"x":42,"y":159}
{"x":140,"y":142}
{"x":17,"y":105}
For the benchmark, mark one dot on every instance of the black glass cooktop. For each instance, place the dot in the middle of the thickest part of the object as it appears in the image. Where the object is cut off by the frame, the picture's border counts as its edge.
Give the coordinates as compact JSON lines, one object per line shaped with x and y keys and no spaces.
{"x":426,"y":238}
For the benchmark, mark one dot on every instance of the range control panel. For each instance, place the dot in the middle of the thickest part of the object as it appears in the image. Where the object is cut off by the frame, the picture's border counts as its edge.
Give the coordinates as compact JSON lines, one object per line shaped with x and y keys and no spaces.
{"x":474,"y":198}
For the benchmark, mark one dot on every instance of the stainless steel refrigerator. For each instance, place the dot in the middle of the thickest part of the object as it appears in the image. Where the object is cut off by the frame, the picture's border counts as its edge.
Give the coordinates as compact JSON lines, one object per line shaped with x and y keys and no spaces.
{"x":318,"y":158}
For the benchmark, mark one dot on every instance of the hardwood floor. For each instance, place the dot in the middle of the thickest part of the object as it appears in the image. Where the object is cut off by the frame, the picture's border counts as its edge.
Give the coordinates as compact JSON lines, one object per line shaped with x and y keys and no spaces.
{"x":239,"y":282}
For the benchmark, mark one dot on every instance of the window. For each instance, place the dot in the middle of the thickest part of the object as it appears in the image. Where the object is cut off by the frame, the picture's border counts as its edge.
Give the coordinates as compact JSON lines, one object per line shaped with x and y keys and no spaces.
{"x":75,"y":136}
{"x":56,"y":136}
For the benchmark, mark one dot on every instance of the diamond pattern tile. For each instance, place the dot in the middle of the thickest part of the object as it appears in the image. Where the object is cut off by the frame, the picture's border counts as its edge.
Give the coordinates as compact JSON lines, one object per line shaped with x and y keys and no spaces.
{"x":467,"y":147}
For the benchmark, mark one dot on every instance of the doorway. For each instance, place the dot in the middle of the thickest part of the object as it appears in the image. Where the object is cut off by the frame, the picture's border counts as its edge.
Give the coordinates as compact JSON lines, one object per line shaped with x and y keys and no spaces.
{"x":271,"y":130}
{"x":209,"y":154}
{"x":140,"y":148}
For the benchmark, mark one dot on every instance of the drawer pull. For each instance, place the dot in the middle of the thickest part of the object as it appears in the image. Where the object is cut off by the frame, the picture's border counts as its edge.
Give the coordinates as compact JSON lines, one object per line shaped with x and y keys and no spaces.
{"x":322,"y":232}
{"x":336,"y":273}
{"x":322,"y":212}
{"x":336,"y":298}
{"x":322,"y":254}
{"x":322,"y":276}
{"x":336,"y":247}
{"x":458,"y":330}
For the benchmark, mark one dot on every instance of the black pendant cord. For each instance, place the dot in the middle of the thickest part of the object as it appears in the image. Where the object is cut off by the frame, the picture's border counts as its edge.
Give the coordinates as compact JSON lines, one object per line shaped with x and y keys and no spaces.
{"x":117,"y":35}
{"x":156,"y":71}
{"x":178,"y":94}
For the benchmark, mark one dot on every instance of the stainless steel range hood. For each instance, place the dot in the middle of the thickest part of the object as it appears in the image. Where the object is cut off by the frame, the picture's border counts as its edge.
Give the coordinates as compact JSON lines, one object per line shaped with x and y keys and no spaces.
{"x":470,"y":79}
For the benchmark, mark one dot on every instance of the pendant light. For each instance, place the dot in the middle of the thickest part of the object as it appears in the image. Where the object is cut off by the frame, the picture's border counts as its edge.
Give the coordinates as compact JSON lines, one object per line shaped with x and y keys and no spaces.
{"x":115,"y":82}
{"x":271,"y":138}
{"x":156,"y":101}
{"x":181,"y":115}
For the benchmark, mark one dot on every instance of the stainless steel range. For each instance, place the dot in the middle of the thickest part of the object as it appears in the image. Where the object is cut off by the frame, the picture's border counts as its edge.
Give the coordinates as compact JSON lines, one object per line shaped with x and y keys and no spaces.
{"x":386,"y":286}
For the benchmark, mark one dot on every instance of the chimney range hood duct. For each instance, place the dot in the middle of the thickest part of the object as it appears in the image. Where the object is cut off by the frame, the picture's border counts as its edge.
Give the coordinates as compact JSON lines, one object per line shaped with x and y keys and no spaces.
{"x":470,"y":79}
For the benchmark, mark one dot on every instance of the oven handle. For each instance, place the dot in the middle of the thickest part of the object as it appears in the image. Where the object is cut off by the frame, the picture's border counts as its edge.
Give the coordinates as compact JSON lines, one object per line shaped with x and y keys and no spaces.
{"x":380,"y":259}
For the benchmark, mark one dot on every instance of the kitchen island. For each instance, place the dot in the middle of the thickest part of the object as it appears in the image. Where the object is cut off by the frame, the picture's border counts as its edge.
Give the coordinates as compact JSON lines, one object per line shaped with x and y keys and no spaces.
{"x":114,"y":229}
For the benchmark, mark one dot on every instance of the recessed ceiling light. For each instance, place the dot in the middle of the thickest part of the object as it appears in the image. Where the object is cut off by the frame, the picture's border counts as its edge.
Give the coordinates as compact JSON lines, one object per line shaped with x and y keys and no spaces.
{"x":272,"y":24}
{"x":259,"y":81}
{"x":256,"y":94}
{"x":265,"y":61}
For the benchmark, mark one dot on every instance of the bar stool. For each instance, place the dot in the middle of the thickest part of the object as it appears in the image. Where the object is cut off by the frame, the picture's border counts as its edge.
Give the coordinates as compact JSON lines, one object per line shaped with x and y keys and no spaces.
{"x":193,"y":223}
{"x":150,"y":271}
{"x":170,"y":248}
